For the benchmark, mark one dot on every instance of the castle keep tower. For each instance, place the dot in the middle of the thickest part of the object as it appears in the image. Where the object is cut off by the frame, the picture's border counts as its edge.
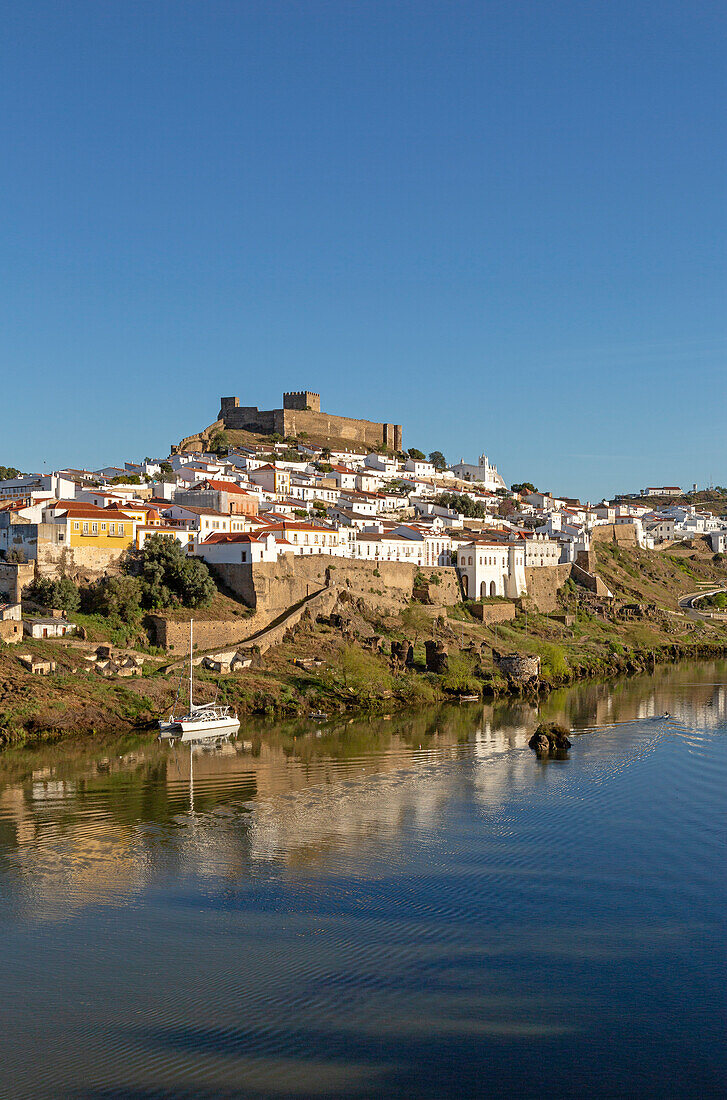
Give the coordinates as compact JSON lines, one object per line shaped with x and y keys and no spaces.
{"x":302,"y":400}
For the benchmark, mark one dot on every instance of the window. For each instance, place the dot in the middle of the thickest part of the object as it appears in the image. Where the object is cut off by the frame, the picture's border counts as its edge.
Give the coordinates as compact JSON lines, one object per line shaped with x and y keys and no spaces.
{"x":103,"y":526}
{"x":85,"y":528}
{"x":121,"y":528}
{"x":112,"y":528}
{"x":75,"y":525}
{"x":94,"y":528}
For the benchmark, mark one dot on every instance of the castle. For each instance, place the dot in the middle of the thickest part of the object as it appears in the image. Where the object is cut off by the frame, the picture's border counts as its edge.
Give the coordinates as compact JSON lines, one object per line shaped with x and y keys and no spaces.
{"x":301,"y":413}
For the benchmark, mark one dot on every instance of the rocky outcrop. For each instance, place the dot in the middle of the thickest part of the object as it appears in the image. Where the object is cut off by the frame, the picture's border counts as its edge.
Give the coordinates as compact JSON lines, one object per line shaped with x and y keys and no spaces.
{"x":550,"y":739}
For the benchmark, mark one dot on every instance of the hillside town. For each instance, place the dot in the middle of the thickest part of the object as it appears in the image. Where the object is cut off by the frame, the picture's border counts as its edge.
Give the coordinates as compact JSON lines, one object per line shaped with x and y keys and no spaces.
{"x":237,"y":505}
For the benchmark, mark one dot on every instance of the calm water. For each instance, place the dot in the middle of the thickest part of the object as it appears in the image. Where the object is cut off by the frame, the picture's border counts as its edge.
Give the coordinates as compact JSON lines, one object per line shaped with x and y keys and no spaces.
{"x":413,"y":907}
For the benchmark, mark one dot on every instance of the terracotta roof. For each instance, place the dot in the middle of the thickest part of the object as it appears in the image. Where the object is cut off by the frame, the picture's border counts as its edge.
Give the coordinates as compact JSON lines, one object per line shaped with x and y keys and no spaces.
{"x":227,"y":486}
{"x":81,"y":508}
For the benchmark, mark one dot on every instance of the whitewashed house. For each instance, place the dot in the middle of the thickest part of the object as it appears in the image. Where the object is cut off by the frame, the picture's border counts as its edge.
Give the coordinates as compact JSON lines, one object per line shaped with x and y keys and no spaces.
{"x":490,"y":568}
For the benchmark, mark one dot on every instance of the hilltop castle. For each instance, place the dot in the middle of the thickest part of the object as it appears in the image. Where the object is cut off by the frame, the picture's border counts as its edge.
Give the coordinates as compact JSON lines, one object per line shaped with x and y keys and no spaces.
{"x":301,"y":412}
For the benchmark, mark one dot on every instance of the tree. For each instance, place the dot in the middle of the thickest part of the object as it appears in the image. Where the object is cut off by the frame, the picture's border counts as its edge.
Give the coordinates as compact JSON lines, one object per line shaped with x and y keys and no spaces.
{"x":114,"y":597}
{"x":126,"y":479}
{"x":415,"y":621}
{"x":438,"y":460}
{"x":9,"y":472}
{"x":506,"y":507}
{"x":219,"y":442}
{"x":462,"y":504}
{"x":60,"y":593}
{"x":524,"y":487}
{"x":166,"y":473}
{"x":167,"y":576}
{"x":416,"y":454}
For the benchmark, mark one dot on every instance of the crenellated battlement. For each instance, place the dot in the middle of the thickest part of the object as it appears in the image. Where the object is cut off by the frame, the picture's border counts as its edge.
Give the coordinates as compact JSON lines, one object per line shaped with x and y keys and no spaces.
{"x":302,"y":400}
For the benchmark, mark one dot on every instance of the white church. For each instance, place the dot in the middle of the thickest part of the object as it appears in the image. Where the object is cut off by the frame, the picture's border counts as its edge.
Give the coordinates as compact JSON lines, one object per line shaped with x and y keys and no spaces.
{"x":485,"y":473}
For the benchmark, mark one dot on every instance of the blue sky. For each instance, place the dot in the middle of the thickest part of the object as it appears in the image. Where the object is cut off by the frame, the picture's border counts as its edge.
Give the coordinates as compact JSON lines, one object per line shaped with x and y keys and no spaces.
{"x":500,"y":224}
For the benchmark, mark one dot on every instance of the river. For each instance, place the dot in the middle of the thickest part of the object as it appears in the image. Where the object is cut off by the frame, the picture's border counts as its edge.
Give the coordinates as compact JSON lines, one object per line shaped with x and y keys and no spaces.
{"x":403,"y":907}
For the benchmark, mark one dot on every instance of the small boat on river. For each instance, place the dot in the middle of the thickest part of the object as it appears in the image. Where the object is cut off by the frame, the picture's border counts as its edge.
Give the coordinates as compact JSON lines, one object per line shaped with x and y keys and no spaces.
{"x":202,"y":720}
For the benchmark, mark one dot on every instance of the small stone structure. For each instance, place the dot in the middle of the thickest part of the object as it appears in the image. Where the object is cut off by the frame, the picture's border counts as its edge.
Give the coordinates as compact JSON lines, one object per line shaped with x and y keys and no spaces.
{"x":402,"y":653}
{"x":39,"y":666}
{"x":493,"y":612}
{"x":437,"y":656}
{"x":11,"y":631}
{"x":518,"y":668}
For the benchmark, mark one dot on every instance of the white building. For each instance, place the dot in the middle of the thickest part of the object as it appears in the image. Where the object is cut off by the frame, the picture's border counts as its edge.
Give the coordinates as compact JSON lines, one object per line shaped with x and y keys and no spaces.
{"x":490,"y":568}
{"x":718,"y":539}
{"x":420,"y":467}
{"x":484,"y":472}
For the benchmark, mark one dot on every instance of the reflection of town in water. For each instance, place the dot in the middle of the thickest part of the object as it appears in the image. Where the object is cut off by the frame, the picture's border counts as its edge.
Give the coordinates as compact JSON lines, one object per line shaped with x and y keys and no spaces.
{"x":90,"y":830}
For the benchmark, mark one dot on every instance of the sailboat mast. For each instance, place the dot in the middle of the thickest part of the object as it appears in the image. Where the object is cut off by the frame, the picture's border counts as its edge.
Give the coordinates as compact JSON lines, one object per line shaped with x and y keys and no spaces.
{"x":190,"y":666}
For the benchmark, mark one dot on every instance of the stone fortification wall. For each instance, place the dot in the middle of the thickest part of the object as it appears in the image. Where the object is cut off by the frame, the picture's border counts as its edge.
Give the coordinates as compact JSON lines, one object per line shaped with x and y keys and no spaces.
{"x":77,"y":562}
{"x":543,"y":582}
{"x":368,"y":432}
{"x":275,"y":586}
{"x":13,"y":579}
{"x":321,"y":603}
{"x":625,"y":534}
{"x":261,"y":630}
{"x":173,"y":634}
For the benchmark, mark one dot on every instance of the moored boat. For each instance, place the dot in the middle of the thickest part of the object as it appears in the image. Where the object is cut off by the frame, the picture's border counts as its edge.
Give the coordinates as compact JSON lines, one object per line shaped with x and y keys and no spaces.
{"x":202,"y":720}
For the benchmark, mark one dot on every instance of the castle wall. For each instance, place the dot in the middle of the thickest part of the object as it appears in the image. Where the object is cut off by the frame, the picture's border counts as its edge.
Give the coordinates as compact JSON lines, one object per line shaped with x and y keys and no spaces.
{"x":368,"y":432}
{"x":301,"y":413}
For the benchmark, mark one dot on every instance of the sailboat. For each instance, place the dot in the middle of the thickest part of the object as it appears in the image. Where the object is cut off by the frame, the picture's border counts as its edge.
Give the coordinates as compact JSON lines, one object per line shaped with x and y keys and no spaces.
{"x":203,"y":720}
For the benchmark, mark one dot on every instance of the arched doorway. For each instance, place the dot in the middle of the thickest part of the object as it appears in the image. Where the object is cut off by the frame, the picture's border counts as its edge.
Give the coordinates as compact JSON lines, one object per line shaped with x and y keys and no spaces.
{"x":493,"y":588}
{"x":464,"y":585}
{"x":483,"y":590}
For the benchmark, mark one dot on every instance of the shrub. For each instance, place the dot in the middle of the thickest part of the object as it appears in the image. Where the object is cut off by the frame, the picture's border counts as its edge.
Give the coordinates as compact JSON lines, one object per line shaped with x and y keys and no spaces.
{"x":460,"y":675}
{"x":168,"y":577}
{"x":115,"y":598}
{"x":363,"y":676}
{"x":553,"y":662}
{"x":60,"y":593}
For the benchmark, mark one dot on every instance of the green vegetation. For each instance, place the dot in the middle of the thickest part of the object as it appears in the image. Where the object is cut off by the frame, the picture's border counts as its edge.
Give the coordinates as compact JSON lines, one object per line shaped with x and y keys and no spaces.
{"x":438,"y":460}
{"x":7,"y":473}
{"x":416,"y":454}
{"x":219,"y":442}
{"x":61,"y":593}
{"x":462,"y":504}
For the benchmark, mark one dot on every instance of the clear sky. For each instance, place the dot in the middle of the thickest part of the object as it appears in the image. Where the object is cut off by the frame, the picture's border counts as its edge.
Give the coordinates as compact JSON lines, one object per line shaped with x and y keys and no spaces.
{"x":500,"y":224}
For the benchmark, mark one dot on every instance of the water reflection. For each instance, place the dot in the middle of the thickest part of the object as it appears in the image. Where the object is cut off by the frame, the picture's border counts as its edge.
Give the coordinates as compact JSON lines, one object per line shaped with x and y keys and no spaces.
{"x":407,"y":906}
{"x":90,"y":825}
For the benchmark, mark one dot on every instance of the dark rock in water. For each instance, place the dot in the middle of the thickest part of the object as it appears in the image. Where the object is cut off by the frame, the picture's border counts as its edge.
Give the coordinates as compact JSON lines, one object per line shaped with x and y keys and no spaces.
{"x":540,"y":743}
{"x":550,"y":739}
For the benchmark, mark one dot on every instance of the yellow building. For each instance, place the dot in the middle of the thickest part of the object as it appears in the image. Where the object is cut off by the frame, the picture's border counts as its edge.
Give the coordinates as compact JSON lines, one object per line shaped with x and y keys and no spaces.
{"x":87,"y":525}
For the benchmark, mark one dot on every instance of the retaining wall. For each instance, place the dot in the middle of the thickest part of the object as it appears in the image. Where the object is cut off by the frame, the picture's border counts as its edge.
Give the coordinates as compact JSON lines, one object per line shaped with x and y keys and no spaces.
{"x":275,"y":586}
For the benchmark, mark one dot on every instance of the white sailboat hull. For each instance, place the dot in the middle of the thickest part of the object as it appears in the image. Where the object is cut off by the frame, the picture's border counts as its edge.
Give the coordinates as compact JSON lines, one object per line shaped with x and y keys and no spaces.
{"x":193,"y":729}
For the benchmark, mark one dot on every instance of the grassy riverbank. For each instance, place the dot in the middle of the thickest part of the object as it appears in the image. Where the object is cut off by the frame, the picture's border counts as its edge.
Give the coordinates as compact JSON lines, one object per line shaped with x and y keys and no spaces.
{"x":344,"y":666}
